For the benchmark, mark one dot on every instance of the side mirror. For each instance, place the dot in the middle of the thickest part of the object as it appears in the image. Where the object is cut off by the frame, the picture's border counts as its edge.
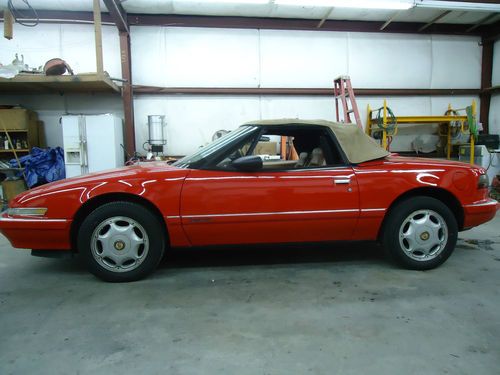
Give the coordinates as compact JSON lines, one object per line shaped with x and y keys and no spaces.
{"x":248,"y":163}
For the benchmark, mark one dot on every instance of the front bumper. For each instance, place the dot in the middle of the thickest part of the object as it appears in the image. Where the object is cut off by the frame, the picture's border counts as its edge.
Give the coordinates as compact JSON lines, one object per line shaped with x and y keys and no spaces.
{"x":36,"y":232}
{"x":479,"y":212}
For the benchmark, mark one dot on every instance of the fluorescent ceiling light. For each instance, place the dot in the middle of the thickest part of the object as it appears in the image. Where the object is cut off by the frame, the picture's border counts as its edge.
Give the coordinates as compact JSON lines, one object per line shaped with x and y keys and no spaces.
{"x":365,"y":4}
{"x":458,"y":5}
{"x":231,"y":1}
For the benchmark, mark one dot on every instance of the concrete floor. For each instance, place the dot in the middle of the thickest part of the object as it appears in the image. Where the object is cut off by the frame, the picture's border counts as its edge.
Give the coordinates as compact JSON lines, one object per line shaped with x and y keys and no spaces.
{"x":293,"y":310}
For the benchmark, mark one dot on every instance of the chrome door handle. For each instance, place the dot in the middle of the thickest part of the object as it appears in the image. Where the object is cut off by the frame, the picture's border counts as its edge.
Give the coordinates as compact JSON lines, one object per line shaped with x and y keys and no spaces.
{"x":341,"y":181}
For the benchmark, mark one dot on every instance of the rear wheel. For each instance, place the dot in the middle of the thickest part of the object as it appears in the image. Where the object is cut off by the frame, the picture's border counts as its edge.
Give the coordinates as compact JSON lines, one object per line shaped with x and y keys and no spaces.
{"x":121,"y":241}
{"x":420,"y":233}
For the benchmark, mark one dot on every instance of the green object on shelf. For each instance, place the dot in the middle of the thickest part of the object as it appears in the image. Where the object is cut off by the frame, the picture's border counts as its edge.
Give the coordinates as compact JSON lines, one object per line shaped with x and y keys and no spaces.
{"x":471,"y":119}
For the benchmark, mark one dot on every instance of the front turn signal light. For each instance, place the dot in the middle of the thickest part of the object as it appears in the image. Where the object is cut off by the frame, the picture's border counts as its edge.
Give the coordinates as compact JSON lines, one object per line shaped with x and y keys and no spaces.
{"x":28,"y":211}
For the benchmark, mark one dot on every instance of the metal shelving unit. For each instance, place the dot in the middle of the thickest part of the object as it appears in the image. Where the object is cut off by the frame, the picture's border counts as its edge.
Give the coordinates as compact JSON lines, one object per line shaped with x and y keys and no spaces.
{"x":448,"y":120}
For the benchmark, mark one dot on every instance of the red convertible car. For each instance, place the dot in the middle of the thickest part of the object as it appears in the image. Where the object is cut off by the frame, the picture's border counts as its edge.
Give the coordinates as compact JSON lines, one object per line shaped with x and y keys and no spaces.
{"x":273,"y":181}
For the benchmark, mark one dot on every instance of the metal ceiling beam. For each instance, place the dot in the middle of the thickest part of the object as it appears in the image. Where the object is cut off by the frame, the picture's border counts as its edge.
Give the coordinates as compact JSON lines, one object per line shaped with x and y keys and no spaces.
{"x":63,"y":16}
{"x":477,"y":1}
{"x":118,"y":14}
{"x":493,"y":32}
{"x":482,"y":22}
{"x":386,"y":23}
{"x":266,"y":23}
{"x":434,"y":20}
{"x":154,"y":90}
{"x":323,"y":20}
{"x":291,"y":24}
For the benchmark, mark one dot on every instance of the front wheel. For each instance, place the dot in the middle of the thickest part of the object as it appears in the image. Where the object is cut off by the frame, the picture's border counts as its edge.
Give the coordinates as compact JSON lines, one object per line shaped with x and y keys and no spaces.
{"x":420,"y":233}
{"x":121,"y":241}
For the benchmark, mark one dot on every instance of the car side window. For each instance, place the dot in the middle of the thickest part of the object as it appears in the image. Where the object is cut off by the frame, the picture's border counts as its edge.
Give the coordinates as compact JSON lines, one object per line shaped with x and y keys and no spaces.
{"x":239,"y":150}
{"x":287,"y":148}
{"x":299,"y":148}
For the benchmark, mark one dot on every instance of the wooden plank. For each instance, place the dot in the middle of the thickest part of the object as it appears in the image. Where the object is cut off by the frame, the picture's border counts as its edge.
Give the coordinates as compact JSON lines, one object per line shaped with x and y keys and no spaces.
{"x":8,"y":24}
{"x":98,"y":36}
{"x":30,"y":83}
{"x":434,"y":20}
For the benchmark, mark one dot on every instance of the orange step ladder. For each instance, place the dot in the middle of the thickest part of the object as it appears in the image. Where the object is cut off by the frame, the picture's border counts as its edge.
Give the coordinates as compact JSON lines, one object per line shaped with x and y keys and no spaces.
{"x":342,"y":90}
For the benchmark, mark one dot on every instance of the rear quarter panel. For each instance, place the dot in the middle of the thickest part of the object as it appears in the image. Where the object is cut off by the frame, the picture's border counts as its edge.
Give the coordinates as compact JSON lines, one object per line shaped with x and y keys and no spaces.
{"x":382,"y":182}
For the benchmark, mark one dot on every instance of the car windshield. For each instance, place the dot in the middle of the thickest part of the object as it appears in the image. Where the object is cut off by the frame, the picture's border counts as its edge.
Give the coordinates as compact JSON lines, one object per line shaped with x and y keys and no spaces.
{"x":205,"y":151}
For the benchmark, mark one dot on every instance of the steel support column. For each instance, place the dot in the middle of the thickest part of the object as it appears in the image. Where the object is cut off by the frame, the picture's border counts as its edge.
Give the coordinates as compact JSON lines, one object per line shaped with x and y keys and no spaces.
{"x":486,"y":77}
{"x":127,"y":93}
{"x":118,"y":14}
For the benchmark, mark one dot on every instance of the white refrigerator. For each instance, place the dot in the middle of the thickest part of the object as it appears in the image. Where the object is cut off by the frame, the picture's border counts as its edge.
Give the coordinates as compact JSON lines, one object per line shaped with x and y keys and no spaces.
{"x":92,"y":143}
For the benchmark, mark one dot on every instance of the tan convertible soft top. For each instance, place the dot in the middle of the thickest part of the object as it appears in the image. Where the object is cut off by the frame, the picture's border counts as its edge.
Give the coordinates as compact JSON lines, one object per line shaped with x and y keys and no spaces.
{"x":357,"y":146}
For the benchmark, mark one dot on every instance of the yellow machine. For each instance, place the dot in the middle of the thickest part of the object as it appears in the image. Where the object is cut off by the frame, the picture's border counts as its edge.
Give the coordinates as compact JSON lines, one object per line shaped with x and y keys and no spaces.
{"x":388,"y":124}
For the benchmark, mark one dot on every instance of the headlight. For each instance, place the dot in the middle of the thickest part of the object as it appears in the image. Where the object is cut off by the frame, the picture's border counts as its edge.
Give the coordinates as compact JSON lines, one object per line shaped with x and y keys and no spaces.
{"x":483,"y":181}
{"x":26,"y":211}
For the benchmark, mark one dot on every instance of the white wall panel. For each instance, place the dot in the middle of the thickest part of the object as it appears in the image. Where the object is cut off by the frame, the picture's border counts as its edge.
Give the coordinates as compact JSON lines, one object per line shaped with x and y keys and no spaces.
{"x":389,"y":60}
{"x":111,"y":51}
{"x":274,"y":58}
{"x":78,"y":48}
{"x":301,"y":58}
{"x":195,"y":57}
{"x":494,"y":118}
{"x":303,"y":107}
{"x":439,"y":104}
{"x":73,"y":43}
{"x":192,"y":120}
{"x":212,"y":57}
{"x":496,"y":63}
{"x":37,"y":47}
{"x":148,"y":55}
{"x":456,"y":62}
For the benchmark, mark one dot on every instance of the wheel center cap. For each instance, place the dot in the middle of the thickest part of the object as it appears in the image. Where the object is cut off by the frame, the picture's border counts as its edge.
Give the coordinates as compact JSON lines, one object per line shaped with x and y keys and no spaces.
{"x":119,"y":245}
{"x":424,"y":236}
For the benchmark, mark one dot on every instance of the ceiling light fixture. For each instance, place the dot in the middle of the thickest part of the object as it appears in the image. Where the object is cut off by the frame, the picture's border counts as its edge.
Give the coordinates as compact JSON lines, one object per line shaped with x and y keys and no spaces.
{"x":458,"y":5}
{"x":232,"y":1}
{"x":364,"y":4}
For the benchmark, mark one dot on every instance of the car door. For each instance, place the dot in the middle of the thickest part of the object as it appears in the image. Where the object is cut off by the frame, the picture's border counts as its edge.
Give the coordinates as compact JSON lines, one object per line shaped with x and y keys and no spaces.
{"x":306,"y":205}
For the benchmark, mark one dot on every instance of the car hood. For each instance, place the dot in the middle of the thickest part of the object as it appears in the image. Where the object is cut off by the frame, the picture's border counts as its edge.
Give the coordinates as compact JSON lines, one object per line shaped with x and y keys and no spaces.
{"x":142,"y":171}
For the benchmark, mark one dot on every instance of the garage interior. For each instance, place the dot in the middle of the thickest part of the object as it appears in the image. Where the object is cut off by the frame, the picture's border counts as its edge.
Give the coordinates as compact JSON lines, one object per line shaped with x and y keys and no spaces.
{"x":170,"y":77}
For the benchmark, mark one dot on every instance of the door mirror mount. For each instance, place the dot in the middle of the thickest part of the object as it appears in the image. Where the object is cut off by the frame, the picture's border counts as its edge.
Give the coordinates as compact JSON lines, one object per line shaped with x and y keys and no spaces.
{"x":250,"y":163}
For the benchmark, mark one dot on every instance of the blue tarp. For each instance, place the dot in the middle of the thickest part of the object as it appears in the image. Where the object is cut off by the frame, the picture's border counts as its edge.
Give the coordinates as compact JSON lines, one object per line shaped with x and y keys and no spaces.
{"x":42,"y":166}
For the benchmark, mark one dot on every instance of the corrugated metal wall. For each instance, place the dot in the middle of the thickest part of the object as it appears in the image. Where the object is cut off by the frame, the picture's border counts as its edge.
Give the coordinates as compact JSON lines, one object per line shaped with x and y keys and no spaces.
{"x":172,"y":56}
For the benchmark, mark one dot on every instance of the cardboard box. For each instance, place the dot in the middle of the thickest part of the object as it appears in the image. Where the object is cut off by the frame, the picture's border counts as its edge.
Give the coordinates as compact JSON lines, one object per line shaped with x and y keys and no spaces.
{"x":266,"y":148}
{"x":11,"y":188}
{"x":17,"y":118}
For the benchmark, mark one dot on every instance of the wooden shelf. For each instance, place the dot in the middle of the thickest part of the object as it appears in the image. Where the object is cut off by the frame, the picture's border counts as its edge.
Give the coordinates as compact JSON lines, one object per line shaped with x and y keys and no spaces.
{"x":41,"y":84}
{"x":12,"y":150}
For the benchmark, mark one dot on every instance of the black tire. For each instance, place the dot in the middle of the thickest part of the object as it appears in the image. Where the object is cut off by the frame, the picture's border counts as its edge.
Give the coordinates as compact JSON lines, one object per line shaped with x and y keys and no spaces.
{"x":394,"y":233}
{"x":139,"y":224}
